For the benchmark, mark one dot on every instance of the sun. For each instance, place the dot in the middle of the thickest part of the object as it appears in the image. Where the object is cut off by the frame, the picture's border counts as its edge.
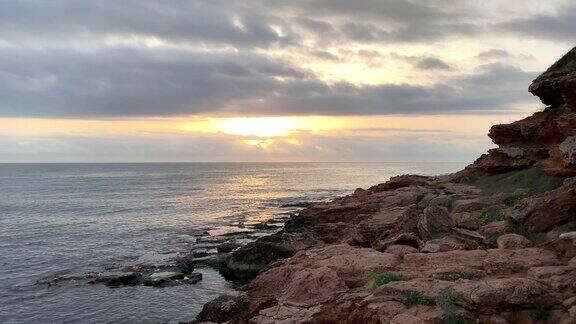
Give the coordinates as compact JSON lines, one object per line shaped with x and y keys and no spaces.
{"x":258,"y":126}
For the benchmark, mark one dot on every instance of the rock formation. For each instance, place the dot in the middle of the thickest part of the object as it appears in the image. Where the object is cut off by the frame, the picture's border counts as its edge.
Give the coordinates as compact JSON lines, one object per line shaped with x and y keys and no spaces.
{"x":493,"y":243}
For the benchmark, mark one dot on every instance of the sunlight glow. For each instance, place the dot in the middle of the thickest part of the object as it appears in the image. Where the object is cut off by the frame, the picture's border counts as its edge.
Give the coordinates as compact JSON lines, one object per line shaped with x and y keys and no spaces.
{"x":259,"y":143}
{"x":260,"y":127}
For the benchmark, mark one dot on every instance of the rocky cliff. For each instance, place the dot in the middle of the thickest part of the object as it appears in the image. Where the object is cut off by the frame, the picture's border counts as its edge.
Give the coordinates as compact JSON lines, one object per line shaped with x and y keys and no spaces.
{"x":493,"y":243}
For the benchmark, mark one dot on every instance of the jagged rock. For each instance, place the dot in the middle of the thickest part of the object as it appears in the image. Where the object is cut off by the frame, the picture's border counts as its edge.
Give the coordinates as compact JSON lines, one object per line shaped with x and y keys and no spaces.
{"x":568,"y":148}
{"x":498,"y":227}
{"x":570,"y":236}
{"x":512,"y":241}
{"x":471,"y":239}
{"x":223,"y":308}
{"x":122,"y":279}
{"x":227,"y":247}
{"x":171,"y":278}
{"x":186,"y":264}
{"x":557,"y":86}
{"x":401,"y":182}
{"x":443,"y":245}
{"x":504,"y":293}
{"x":401,"y":239}
{"x":466,"y":220}
{"x":435,"y":221}
{"x":401,"y":249}
{"x":547,"y":210}
{"x":512,"y":152}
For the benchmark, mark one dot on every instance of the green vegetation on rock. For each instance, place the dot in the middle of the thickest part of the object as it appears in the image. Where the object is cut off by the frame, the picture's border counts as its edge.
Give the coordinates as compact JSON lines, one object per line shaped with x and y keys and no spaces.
{"x":486,"y":217}
{"x":412,"y":299}
{"x":531,"y":181}
{"x":450,"y":308}
{"x":455,"y":276}
{"x":383,"y":279}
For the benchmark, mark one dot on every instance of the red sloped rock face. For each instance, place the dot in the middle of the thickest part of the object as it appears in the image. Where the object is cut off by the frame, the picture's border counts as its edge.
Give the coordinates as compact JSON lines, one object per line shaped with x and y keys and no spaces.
{"x":546,"y":139}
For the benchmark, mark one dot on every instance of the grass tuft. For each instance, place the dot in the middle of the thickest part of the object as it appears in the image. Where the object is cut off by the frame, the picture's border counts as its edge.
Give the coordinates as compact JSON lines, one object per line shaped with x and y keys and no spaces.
{"x":412,"y":299}
{"x":449,"y":308}
{"x":455,"y":276}
{"x":486,"y":217}
{"x":383,"y":279}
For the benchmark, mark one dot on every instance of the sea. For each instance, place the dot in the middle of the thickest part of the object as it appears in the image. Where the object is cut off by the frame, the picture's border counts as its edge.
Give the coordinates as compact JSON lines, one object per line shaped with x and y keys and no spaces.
{"x":66,"y":220}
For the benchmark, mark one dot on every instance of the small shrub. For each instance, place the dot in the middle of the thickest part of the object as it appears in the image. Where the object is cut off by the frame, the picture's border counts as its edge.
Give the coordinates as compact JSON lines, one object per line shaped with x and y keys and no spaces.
{"x":383,"y":279}
{"x":539,"y":313}
{"x":490,"y":241}
{"x":412,"y":299}
{"x":455,"y":276}
{"x":513,"y":200}
{"x":486,"y":217}
{"x":516,"y":227}
{"x":449,"y":308}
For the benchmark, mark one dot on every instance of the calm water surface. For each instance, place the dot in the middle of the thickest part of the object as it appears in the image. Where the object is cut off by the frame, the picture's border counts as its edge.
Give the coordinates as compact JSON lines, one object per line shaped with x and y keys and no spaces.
{"x":67,"y":219}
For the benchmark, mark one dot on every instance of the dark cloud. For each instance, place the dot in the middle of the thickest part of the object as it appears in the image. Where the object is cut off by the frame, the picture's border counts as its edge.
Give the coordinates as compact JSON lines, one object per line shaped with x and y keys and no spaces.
{"x":494,"y":54}
{"x":432,"y":63}
{"x":152,"y":82}
{"x":198,"y":21}
{"x":560,"y":27}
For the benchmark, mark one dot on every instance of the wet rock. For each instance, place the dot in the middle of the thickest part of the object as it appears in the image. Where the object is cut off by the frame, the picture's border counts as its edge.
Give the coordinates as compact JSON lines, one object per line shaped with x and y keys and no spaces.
{"x":185,"y":264}
{"x":247,"y":261}
{"x":227,"y":247}
{"x":163,"y":279}
{"x":512,"y":241}
{"x":223,"y":308}
{"x":121,"y":279}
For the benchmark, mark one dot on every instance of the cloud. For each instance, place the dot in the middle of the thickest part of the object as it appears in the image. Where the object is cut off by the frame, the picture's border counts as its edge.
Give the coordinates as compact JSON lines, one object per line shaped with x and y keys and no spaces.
{"x":432,"y":63}
{"x":184,"y":148}
{"x":558,"y":27}
{"x":134,"y":82}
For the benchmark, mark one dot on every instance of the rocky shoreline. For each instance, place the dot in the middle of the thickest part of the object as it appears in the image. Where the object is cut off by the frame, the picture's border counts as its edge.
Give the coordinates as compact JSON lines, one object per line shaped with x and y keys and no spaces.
{"x":493,"y":243}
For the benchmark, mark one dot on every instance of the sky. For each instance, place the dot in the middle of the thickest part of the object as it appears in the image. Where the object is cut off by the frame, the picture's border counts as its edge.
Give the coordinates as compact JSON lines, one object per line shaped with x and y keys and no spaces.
{"x":269,"y":80}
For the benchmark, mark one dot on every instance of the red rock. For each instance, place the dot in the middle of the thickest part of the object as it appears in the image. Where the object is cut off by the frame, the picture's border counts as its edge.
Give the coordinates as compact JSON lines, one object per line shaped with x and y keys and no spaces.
{"x":512,"y":241}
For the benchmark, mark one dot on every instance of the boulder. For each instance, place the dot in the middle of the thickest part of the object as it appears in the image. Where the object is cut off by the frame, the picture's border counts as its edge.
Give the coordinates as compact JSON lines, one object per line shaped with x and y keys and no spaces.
{"x":512,"y":241}
{"x":466,"y":220}
{"x":401,"y":250}
{"x":400,"y":239}
{"x":186,"y":264}
{"x":224,"y":308}
{"x":163,"y":279}
{"x":552,"y":208}
{"x":123,"y":279}
{"x":498,"y":227}
{"x":435,"y":222}
{"x":504,"y":293}
{"x":444,"y":244}
{"x":227,"y":247}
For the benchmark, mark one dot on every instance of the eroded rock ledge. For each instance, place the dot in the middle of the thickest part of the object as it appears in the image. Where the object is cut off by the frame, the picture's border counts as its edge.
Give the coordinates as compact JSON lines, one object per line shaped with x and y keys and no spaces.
{"x":494,"y":243}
